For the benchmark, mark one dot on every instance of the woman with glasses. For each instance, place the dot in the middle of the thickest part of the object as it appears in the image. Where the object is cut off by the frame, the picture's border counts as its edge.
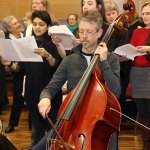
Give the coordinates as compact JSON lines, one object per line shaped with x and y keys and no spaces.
{"x":72,"y":21}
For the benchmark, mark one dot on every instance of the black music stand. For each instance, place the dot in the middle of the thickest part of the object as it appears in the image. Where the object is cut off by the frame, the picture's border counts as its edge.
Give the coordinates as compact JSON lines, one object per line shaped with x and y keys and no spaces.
{"x":5,"y":143}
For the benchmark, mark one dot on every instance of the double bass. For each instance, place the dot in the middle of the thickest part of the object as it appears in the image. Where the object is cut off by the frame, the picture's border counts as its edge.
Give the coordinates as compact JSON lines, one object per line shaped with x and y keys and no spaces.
{"x":85,"y":120}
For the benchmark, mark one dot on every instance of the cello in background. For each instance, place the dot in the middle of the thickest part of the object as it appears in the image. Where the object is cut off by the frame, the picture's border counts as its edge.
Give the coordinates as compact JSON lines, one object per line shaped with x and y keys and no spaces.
{"x":86,"y":120}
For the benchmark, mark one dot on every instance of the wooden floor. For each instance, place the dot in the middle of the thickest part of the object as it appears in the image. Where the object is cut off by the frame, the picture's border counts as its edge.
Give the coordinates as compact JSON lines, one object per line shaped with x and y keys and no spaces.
{"x":21,"y":137}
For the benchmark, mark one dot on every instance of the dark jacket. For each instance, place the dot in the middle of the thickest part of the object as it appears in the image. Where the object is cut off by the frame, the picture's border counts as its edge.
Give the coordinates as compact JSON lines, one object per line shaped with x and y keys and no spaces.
{"x":72,"y":68}
{"x":38,"y":74}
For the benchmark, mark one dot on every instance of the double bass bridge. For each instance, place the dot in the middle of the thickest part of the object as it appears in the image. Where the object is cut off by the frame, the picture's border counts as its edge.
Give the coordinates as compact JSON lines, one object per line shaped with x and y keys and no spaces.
{"x":57,"y":145}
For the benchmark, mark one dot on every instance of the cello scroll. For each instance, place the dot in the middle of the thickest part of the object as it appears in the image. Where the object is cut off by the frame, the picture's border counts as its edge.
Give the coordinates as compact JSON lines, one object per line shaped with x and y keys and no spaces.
{"x":122,"y":22}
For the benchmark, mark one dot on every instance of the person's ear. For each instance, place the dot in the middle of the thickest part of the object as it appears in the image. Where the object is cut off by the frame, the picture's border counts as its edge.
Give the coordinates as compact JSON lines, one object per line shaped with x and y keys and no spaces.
{"x":99,"y":7}
{"x":100,"y":31}
{"x":67,"y":20}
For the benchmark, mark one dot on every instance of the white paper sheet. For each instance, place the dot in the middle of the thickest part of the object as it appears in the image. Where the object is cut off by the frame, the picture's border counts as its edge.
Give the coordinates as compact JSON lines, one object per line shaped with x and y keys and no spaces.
{"x":21,"y":49}
{"x":2,"y":34}
{"x":64,"y":34}
{"x":128,"y":51}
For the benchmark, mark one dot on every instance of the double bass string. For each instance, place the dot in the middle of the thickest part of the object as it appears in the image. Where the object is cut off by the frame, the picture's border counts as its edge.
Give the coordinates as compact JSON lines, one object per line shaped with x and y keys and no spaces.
{"x":53,"y":132}
{"x":112,"y":109}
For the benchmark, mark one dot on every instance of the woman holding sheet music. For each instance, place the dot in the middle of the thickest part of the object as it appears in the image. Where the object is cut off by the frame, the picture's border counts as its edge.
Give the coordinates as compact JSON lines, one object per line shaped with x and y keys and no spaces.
{"x":140,"y":73}
{"x":38,"y":74}
{"x":13,"y":31}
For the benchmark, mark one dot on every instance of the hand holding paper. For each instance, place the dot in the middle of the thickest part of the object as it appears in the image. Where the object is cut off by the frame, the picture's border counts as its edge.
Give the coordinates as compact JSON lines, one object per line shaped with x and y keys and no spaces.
{"x":20,"y":49}
{"x":128,"y":50}
{"x":143,"y":49}
{"x":64,"y":34}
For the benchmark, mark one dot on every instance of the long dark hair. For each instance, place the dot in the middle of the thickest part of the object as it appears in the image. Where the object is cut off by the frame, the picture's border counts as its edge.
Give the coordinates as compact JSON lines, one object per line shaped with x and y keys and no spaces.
{"x":101,"y":11}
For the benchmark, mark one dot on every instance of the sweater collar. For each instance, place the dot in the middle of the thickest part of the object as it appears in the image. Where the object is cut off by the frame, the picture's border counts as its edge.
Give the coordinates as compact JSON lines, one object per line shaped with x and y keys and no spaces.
{"x":11,"y":36}
{"x":42,"y":37}
{"x":72,"y":28}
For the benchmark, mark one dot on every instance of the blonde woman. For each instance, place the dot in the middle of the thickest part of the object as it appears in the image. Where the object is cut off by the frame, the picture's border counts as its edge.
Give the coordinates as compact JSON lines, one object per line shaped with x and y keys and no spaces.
{"x":43,"y":5}
{"x":111,"y":11}
{"x":28,"y":24}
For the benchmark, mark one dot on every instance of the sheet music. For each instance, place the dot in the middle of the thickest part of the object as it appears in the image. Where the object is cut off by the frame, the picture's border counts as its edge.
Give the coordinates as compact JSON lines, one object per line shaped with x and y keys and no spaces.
{"x":128,"y":50}
{"x":64,"y":34}
{"x":21,"y":49}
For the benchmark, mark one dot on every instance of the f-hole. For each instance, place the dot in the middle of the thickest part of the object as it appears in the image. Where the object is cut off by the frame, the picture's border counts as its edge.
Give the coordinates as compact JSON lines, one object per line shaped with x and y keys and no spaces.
{"x":83,"y":139}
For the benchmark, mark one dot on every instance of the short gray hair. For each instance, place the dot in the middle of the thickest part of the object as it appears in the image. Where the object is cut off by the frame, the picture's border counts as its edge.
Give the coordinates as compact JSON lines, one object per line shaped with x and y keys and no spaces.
{"x":92,"y":16}
{"x":7,"y":22}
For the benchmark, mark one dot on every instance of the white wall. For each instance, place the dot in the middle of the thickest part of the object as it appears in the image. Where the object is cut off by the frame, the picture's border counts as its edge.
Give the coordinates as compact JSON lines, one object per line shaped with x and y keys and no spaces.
{"x":120,"y":5}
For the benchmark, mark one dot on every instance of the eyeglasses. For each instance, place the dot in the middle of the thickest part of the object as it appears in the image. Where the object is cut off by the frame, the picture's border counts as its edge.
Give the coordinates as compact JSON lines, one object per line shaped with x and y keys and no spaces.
{"x":36,"y":3}
{"x":88,"y":33}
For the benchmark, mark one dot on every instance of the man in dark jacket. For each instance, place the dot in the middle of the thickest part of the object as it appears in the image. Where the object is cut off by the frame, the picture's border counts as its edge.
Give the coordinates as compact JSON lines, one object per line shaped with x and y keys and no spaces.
{"x":73,"y":66}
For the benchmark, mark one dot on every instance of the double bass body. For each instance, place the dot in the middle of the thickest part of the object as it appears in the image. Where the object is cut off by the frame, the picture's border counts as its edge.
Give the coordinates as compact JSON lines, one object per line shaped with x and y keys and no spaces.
{"x":92,"y":122}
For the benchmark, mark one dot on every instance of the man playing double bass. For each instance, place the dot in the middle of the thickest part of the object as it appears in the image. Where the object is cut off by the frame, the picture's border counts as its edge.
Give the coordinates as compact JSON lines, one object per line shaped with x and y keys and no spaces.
{"x":73,"y":66}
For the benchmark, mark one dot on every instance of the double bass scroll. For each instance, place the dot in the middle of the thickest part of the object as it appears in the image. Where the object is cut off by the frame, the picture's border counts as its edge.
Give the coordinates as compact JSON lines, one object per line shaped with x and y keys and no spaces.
{"x":122,"y":22}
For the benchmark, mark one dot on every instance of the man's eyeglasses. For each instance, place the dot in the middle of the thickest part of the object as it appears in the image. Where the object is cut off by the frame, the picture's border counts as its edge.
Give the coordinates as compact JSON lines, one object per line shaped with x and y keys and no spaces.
{"x":88,"y":33}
